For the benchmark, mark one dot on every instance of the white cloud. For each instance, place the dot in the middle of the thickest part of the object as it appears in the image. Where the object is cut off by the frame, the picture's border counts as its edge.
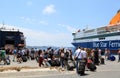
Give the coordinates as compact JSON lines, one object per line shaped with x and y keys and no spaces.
{"x":29,"y":3}
{"x":27,"y":19}
{"x":31,"y":21}
{"x":50,"y":9}
{"x":43,"y":22}
{"x":40,"y":38}
{"x":68,"y":27}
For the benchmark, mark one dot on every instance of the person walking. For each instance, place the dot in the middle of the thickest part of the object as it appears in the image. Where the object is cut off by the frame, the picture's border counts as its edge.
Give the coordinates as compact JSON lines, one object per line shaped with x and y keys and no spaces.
{"x":62,"y":58}
{"x":107,"y":54}
{"x":2,"y":55}
{"x":15,"y":54}
{"x":78,"y":56}
{"x":96,"y":56}
{"x":40,"y":61}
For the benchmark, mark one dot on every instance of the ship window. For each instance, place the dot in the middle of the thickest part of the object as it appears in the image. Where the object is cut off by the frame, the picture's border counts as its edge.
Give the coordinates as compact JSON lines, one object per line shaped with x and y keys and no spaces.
{"x":101,"y":38}
{"x":9,"y":34}
{"x":9,"y":42}
{"x":101,"y":32}
{"x":90,"y":31}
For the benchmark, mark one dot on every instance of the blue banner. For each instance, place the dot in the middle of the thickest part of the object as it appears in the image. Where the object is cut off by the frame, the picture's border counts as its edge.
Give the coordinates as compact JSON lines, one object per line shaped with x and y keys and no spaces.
{"x":112,"y":45}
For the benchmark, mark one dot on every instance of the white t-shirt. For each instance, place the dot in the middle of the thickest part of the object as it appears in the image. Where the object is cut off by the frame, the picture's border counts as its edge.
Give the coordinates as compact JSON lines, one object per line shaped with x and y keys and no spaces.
{"x":78,"y":53}
{"x":84,"y":53}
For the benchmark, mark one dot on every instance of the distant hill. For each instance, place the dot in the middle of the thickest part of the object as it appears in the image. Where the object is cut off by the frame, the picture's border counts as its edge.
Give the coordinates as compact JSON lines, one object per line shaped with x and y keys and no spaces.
{"x":53,"y":47}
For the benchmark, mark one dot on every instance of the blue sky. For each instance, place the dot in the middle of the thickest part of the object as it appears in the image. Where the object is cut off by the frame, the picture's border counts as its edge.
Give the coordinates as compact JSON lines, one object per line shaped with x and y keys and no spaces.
{"x":51,"y":22}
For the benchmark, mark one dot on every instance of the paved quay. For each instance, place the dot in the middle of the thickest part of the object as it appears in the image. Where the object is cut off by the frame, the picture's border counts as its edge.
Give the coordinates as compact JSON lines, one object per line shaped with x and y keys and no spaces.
{"x":111,"y":69}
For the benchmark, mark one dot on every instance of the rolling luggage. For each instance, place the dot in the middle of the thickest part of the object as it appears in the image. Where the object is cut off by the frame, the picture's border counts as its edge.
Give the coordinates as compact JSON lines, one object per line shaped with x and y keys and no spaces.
{"x":8,"y":61}
{"x":24,"y":58}
{"x":81,"y":67}
{"x":70,"y":65}
{"x":57,"y":62}
{"x":54,"y":62}
{"x":50,"y":62}
{"x":102,"y":61}
{"x":32,"y":57}
{"x":91,"y":65}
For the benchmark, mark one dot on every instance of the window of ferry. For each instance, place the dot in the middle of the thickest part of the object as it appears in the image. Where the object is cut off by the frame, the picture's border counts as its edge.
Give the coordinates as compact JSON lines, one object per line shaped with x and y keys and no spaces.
{"x":9,"y":42}
{"x":101,"y":38}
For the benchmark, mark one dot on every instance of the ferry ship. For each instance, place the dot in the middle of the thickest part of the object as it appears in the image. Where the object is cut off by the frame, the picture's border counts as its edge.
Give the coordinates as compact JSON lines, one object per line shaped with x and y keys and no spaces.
{"x":11,"y":38}
{"x":102,"y":37}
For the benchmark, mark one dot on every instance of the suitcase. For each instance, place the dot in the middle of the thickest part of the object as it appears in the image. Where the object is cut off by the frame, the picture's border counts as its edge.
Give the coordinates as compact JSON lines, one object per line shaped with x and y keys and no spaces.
{"x":8,"y":61}
{"x":57,"y":62}
{"x":91,"y":65}
{"x":32,"y":57}
{"x":24,"y":58}
{"x":50,"y":62}
{"x":70,"y":65}
{"x":81,"y":68}
{"x":54,"y":62}
{"x":102,"y":61}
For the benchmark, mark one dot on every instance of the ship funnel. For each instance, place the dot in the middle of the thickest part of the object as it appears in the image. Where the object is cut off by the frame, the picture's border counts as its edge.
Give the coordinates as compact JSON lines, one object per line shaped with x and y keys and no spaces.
{"x":115,"y":20}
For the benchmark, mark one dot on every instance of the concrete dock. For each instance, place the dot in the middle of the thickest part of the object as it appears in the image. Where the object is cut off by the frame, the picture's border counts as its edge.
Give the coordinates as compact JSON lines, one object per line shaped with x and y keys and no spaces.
{"x":111,"y":69}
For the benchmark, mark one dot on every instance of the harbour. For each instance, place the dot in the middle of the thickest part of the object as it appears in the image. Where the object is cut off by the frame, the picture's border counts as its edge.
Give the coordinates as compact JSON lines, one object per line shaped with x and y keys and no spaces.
{"x":59,"y":38}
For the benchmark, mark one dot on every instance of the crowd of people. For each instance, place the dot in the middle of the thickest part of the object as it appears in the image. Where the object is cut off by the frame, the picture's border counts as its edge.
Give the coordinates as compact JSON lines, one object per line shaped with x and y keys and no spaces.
{"x":56,"y":57}
{"x":41,"y":56}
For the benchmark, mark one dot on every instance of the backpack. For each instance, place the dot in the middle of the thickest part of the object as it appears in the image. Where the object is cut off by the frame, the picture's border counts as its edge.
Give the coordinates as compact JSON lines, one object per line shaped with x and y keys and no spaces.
{"x":91,"y":65}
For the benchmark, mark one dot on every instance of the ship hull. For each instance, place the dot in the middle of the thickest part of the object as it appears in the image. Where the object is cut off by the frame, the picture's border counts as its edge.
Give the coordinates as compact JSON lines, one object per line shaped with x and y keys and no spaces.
{"x":110,"y":44}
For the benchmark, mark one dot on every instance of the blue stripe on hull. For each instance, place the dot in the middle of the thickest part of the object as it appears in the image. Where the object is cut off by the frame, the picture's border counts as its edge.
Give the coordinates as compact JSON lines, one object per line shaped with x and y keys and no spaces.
{"x":112,"y":45}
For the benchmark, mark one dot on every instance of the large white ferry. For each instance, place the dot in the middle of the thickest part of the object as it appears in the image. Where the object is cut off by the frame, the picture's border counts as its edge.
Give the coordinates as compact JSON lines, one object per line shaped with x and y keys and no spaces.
{"x":102,"y":37}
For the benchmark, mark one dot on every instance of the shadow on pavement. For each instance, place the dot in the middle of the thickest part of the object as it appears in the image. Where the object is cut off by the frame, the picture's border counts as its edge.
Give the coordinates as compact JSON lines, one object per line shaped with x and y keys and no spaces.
{"x":86,"y":74}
